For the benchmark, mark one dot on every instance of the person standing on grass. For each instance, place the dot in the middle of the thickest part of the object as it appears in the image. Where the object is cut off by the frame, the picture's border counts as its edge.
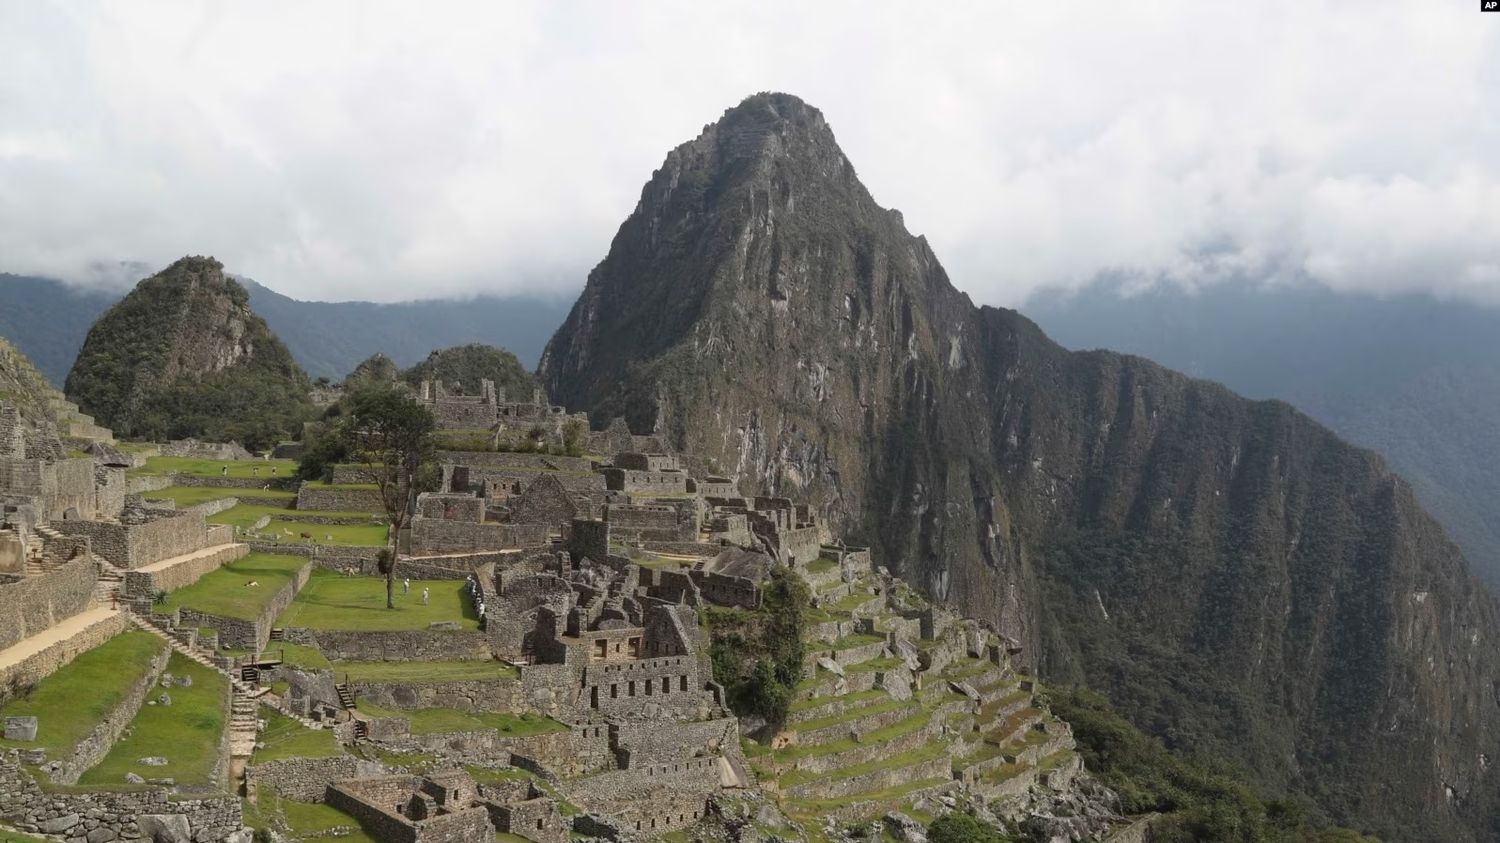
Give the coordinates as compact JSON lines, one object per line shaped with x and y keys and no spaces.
{"x":406,"y":586}
{"x":424,"y":597}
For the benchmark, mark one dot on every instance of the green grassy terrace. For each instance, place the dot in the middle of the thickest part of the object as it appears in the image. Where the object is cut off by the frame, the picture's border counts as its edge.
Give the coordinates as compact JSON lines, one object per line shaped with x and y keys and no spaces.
{"x":284,"y":737}
{"x":186,"y":496}
{"x":333,"y":601}
{"x":156,"y":466}
{"x":71,"y":702}
{"x":290,"y":531}
{"x":186,"y":733}
{"x":223,"y":592}
{"x":429,"y":721}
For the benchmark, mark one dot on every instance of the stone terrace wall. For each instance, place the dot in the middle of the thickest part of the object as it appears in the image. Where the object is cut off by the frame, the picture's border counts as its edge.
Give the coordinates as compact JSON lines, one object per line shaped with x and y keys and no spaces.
{"x":405,"y":645}
{"x":40,"y":665}
{"x":147,"y":483}
{"x":135,"y":545}
{"x":436,"y":536}
{"x":498,"y":695}
{"x":38,"y":603}
{"x":329,"y":499}
{"x":146,"y":584}
{"x":540,"y":462}
{"x":92,"y":749}
{"x":129,"y":814}
{"x":306,"y":779}
{"x":240,"y":634}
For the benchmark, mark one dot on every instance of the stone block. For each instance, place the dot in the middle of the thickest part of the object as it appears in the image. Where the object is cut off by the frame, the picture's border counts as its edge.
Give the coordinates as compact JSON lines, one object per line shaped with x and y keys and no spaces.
{"x":59,"y":825}
{"x":152,"y":761}
{"x":20,"y":728}
{"x":165,"y":828}
{"x":102,"y":834}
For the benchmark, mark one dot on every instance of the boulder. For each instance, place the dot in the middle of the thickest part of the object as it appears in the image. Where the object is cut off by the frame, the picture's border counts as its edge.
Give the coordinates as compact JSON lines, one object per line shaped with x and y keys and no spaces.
{"x":164,"y":782}
{"x":185,"y":682}
{"x":102,"y":834}
{"x":20,"y":728}
{"x":132,"y":778}
{"x":830,"y":665}
{"x":152,"y":761}
{"x":60,"y":824}
{"x":165,"y":828}
{"x":35,"y":757}
{"x":164,"y":699}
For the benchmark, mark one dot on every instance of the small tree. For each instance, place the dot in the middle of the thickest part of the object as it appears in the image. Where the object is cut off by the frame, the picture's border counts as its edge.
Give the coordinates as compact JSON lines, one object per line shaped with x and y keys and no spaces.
{"x":386,"y":438}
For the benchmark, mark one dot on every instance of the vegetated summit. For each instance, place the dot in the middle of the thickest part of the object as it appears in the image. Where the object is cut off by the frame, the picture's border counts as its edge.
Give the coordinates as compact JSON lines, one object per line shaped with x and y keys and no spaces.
{"x":184,"y":355}
{"x":1242,"y":583}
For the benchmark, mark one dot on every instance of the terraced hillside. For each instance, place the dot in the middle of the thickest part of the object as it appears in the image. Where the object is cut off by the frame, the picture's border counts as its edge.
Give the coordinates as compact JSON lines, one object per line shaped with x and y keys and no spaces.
{"x":901,"y":705}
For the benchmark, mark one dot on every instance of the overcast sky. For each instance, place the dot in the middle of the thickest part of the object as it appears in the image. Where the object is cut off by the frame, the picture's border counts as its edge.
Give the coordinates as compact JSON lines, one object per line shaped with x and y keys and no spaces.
{"x":402,"y":150}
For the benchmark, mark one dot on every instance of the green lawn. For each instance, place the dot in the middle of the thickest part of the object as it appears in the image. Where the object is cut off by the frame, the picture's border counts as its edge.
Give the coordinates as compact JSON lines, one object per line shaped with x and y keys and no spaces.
{"x":215,"y":468}
{"x":821,"y":565}
{"x":858,"y":639}
{"x":284,"y":737}
{"x":424,"y":671}
{"x":71,"y":702}
{"x":334,"y":601}
{"x":193,"y":495}
{"x":349,"y":535}
{"x":8,"y":836}
{"x":186,"y":733}
{"x":251,"y":510}
{"x":427,"y":721}
{"x":223,"y":592}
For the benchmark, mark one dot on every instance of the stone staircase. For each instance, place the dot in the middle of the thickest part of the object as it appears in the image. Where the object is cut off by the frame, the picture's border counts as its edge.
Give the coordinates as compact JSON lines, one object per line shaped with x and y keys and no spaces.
{"x":110,"y":586}
{"x":242,"y":689}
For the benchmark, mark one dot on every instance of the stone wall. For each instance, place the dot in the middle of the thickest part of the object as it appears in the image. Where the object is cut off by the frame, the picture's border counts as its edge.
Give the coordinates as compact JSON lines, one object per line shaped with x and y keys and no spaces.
{"x":38,"y":603}
{"x":498,"y":695}
{"x":148,"y":583}
{"x":193,"y":449}
{"x":145,"y":484}
{"x":535,"y":462}
{"x":127,"y":814}
{"x":669,"y":685}
{"x":242,"y":634}
{"x":94,"y":746}
{"x":332,"y":499}
{"x":587,"y":539}
{"x":135,"y":545}
{"x":306,"y":779}
{"x":405,"y":645}
{"x":436,"y":536}
{"x":645,"y":482}
{"x":38,"y":666}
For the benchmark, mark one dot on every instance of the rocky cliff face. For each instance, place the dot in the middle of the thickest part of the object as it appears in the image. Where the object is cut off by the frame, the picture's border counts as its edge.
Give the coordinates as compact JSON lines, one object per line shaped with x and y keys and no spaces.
{"x":184,"y":355}
{"x":1244,"y":584}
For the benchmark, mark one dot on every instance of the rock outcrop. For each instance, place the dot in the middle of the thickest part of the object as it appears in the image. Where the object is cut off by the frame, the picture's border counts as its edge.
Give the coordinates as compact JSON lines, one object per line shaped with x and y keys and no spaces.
{"x":1244,"y":584}
{"x":184,"y":356}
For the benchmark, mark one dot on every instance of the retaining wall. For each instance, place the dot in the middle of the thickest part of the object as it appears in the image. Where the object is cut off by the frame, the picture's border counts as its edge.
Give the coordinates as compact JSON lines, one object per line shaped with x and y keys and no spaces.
{"x":35,"y":604}
{"x":242,"y":634}
{"x":129,"y":814}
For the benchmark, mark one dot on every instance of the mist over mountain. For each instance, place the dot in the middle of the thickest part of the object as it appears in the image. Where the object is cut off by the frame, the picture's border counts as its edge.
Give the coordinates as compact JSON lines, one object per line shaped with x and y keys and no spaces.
{"x":47,"y":320}
{"x":1413,"y":377}
{"x":1246,"y":586}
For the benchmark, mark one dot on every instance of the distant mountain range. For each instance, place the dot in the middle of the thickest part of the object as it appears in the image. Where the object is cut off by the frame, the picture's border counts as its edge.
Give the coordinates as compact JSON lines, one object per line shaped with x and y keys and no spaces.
{"x":1412,"y":377}
{"x":47,"y":320}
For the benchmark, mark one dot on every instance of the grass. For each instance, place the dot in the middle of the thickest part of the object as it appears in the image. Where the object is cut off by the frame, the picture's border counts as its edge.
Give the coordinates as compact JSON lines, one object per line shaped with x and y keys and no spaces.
{"x":874,"y":665}
{"x":851,"y":715}
{"x":186,"y":733}
{"x":428,"y":721}
{"x":348,"y":535}
{"x":851,"y":601}
{"x":215,"y":468}
{"x":71,"y":702}
{"x":334,"y":601}
{"x":819,"y":702}
{"x":295,"y":655}
{"x":8,"y":836}
{"x":926,"y":752}
{"x":223,"y":592}
{"x":284,"y":737}
{"x":858,"y":639}
{"x":808,"y":807}
{"x":434,"y":671}
{"x":186,"y":496}
{"x":879,"y":736}
{"x":821,"y":565}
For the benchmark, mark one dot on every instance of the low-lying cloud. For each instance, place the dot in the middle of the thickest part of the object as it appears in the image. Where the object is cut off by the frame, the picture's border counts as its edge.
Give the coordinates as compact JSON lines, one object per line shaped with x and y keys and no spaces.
{"x":394,"y":151}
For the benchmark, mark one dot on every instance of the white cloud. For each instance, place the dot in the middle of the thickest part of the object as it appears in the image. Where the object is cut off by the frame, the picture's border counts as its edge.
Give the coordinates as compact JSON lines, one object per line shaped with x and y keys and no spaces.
{"x":388,"y":151}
